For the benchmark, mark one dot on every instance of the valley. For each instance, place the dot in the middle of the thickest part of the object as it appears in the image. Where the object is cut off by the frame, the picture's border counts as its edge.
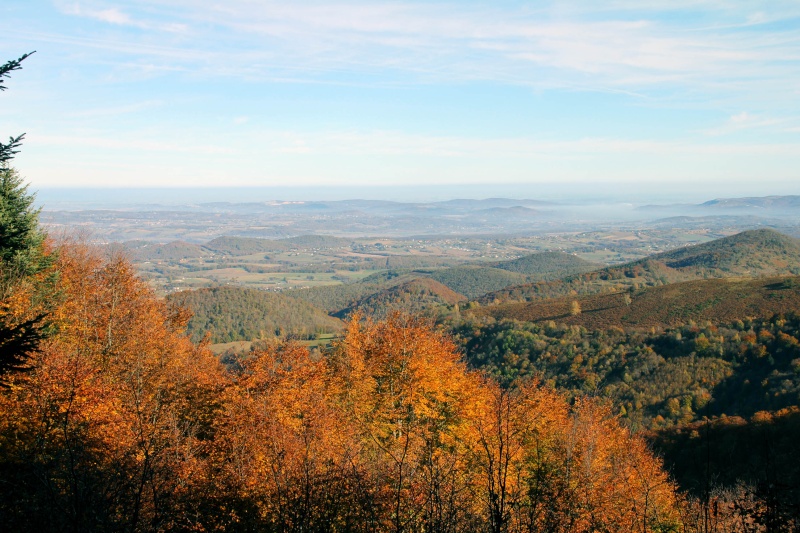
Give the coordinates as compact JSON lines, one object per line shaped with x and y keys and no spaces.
{"x":685,"y":327}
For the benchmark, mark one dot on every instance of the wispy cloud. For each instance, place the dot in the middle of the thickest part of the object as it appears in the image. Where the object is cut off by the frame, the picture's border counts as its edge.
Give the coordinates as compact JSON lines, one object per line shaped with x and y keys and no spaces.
{"x":681,"y":87}
{"x":553,"y":46}
{"x":748,"y":121}
{"x":114,"y":15}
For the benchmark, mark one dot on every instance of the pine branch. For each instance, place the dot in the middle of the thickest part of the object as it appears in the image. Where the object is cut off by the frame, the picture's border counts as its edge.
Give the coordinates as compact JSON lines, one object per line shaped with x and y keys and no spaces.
{"x":7,"y":151}
{"x":11,"y":66}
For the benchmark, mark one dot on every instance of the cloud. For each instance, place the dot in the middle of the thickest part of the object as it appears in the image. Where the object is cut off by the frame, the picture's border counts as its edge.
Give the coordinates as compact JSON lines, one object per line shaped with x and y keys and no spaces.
{"x":748,"y":121}
{"x":628,"y":47}
{"x":113,"y":15}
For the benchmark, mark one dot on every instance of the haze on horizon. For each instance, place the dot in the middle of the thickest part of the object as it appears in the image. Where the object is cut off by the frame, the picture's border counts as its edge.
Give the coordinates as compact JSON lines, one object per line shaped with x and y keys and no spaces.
{"x":184,"y":93}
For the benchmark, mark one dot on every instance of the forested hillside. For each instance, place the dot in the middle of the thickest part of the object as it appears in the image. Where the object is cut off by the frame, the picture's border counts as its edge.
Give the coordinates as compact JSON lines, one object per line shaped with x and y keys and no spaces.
{"x":548,"y":265}
{"x":421,"y":296}
{"x":232,"y":314}
{"x":474,"y":281}
{"x":742,"y":466}
{"x":718,"y":300}
{"x":334,"y":298}
{"x":753,"y":253}
{"x":656,"y":379}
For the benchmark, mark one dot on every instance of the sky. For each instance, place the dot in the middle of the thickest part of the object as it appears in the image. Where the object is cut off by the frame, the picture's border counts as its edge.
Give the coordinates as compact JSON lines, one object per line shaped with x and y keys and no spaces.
{"x":253,"y":93}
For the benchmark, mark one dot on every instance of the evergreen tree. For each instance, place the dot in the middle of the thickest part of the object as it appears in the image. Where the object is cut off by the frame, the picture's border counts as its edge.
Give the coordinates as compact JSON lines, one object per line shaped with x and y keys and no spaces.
{"x":22,"y":256}
{"x":21,"y":238}
{"x":7,"y":151}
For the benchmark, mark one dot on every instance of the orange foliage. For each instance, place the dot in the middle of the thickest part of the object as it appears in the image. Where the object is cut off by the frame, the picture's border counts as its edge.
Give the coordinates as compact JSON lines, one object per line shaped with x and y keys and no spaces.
{"x":116,"y":410}
{"x":124,"y":424}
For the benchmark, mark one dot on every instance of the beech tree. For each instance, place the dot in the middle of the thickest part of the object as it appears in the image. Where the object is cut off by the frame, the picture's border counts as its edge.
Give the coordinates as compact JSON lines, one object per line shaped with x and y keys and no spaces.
{"x":109,"y":430}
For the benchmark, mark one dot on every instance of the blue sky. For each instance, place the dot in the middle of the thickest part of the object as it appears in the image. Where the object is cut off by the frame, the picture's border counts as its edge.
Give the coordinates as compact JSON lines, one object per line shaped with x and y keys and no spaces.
{"x":258,"y":93}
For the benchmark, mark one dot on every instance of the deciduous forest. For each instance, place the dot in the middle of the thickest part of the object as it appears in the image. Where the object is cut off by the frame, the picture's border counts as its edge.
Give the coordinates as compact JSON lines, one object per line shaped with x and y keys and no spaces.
{"x":539,"y":394}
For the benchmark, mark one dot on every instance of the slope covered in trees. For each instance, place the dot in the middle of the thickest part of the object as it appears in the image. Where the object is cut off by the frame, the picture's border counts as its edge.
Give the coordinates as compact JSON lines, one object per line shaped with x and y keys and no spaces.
{"x":334,"y":298}
{"x":656,"y":379}
{"x":474,"y":281}
{"x":717,"y":300}
{"x":751,"y":253}
{"x":547,"y":265}
{"x":105,"y":432}
{"x":417,"y":296}
{"x":745,"y":468}
{"x":234,"y":314}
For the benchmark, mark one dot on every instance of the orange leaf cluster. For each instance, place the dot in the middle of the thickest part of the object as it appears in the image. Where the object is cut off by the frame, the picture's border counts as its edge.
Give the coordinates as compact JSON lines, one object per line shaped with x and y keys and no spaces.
{"x":125,"y":424}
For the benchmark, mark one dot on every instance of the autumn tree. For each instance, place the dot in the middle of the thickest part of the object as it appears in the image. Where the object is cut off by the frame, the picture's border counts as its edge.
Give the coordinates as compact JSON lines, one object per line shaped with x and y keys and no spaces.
{"x":110,"y":428}
{"x":407,"y":392}
{"x":288,"y":449}
{"x":124,"y":424}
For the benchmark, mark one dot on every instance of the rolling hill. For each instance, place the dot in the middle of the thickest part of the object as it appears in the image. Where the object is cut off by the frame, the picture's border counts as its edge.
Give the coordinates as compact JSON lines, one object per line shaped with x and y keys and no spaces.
{"x":474,"y":281}
{"x":417,"y":296}
{"x":548,"y":265}
{"x":760,"y":202}
{"x":239,"y":314}
{"x":334,"y":298}
{"x":752,"y":253}
{"x":716,"y":300}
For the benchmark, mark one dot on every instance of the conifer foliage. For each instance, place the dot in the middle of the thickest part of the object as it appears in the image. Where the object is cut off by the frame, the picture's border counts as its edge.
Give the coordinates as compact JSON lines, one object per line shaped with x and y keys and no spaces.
{"x":7,"y":151}
{"x":24,"y":260}
{"x":21,"y":238}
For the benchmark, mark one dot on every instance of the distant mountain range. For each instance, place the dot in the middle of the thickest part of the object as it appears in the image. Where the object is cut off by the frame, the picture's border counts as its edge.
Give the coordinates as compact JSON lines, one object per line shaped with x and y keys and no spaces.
{"x":776,"y":203}
{"x":762,"y":202}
